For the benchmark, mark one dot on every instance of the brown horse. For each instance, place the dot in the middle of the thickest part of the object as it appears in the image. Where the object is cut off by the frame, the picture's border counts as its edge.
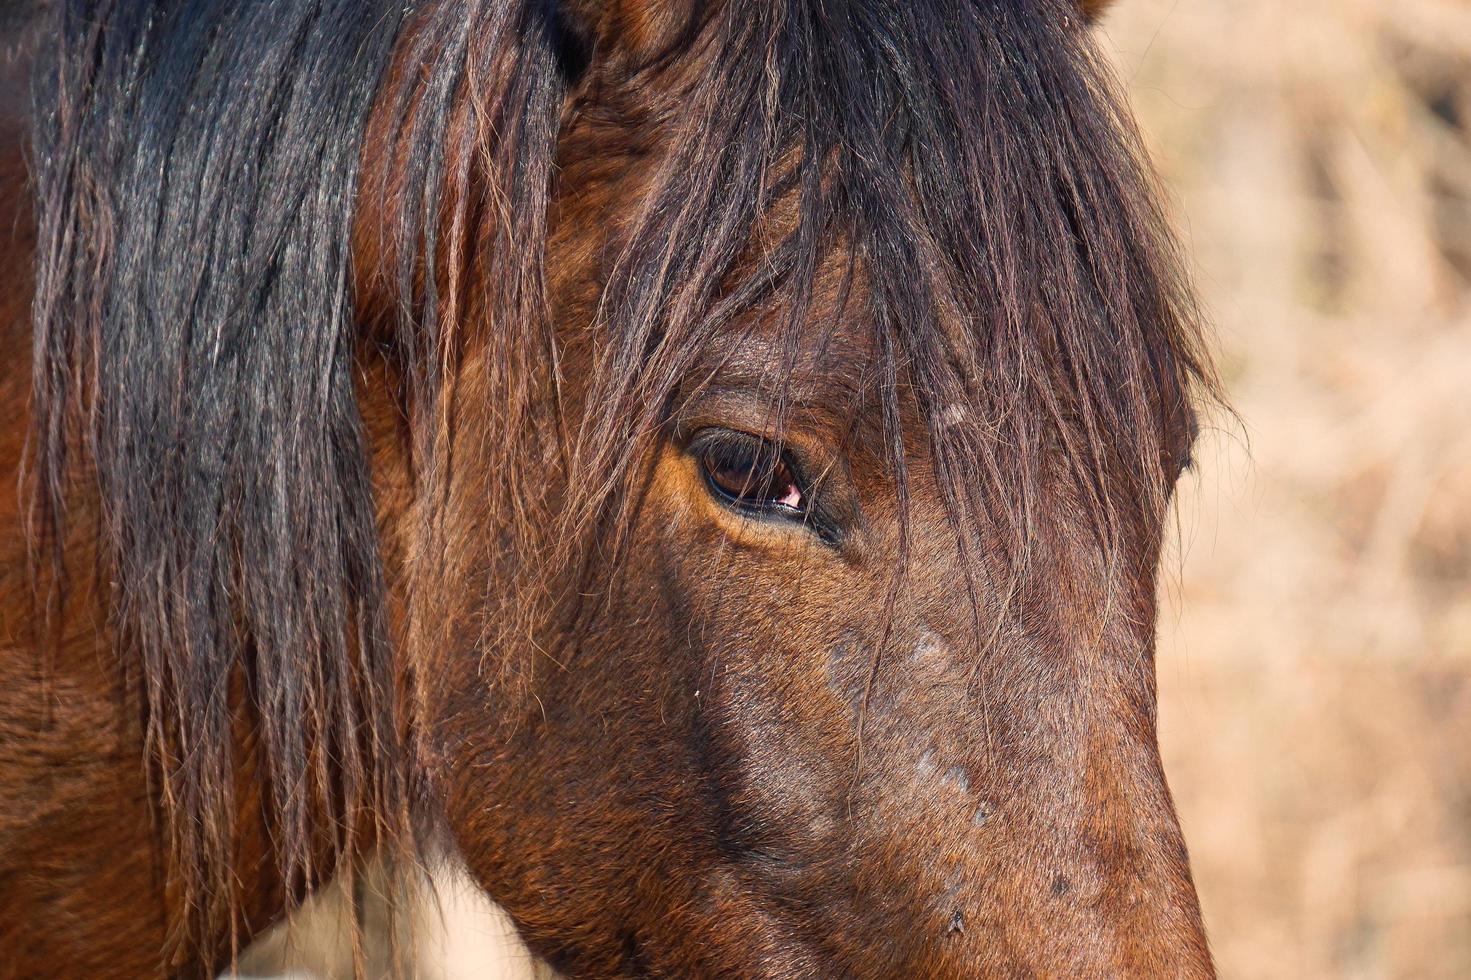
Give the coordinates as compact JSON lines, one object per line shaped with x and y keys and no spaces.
{"x":704,"y":463}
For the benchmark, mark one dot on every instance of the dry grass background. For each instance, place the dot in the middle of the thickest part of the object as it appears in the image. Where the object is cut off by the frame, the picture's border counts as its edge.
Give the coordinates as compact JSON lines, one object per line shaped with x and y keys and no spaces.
{"x":1315,"y":658}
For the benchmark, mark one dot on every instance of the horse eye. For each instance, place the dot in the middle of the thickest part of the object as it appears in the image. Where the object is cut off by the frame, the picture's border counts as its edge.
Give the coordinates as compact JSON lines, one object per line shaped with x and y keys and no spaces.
{"x":751,"y":474}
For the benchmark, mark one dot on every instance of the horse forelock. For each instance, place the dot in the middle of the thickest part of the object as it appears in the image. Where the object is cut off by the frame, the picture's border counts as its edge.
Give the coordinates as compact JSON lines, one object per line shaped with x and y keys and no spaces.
{"x":973,"y":164}
{"x":198,"y":163}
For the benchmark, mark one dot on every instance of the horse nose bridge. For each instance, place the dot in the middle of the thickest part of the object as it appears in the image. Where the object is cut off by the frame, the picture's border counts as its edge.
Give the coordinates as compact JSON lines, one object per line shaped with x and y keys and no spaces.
{"x":1132,"y":870}
{"x":1104,"y":877}
{"x":1097,"y":841}
{"x":1146,"y":908}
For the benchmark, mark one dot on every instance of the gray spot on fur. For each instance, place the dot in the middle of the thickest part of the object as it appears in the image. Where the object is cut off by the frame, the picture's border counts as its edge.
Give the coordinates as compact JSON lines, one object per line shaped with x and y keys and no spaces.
{"x":926,"y":765}
{"x":846,"y":674}
{"x":929,"y":648}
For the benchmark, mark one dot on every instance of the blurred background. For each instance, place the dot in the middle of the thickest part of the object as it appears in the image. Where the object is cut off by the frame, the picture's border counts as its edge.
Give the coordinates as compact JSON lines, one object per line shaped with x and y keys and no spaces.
{"x":1315,"y":656}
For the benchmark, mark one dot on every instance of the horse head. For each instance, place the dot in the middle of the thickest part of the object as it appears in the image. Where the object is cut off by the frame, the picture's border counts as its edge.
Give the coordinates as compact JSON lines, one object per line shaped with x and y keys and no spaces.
{"x":707,"y":460}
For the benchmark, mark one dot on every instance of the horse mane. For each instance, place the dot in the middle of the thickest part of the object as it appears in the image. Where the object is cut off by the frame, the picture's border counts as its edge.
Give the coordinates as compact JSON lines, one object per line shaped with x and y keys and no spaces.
{"x":197,"y":172}
{"x":198,"y":168}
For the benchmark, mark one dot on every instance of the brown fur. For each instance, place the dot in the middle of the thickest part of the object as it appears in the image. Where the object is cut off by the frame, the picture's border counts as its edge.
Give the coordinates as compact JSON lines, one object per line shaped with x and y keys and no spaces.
{"x":669,"y":739}
{"x":1064,"y":859}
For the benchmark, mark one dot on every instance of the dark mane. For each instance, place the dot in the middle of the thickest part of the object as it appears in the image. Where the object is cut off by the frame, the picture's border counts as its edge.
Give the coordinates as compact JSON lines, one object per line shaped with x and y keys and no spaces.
{"x":198,"y":168}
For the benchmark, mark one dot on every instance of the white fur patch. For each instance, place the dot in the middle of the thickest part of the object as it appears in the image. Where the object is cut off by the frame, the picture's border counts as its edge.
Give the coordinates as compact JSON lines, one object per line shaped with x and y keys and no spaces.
{"x":451,"y":931}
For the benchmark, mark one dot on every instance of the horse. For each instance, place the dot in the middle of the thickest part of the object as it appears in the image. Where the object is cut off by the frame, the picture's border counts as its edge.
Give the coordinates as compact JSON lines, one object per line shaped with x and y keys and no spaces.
{"x":704,"y":465}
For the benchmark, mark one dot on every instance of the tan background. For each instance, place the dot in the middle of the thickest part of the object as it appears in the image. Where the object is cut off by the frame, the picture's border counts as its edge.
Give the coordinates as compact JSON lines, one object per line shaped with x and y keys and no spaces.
{"x":1315,"y":658}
